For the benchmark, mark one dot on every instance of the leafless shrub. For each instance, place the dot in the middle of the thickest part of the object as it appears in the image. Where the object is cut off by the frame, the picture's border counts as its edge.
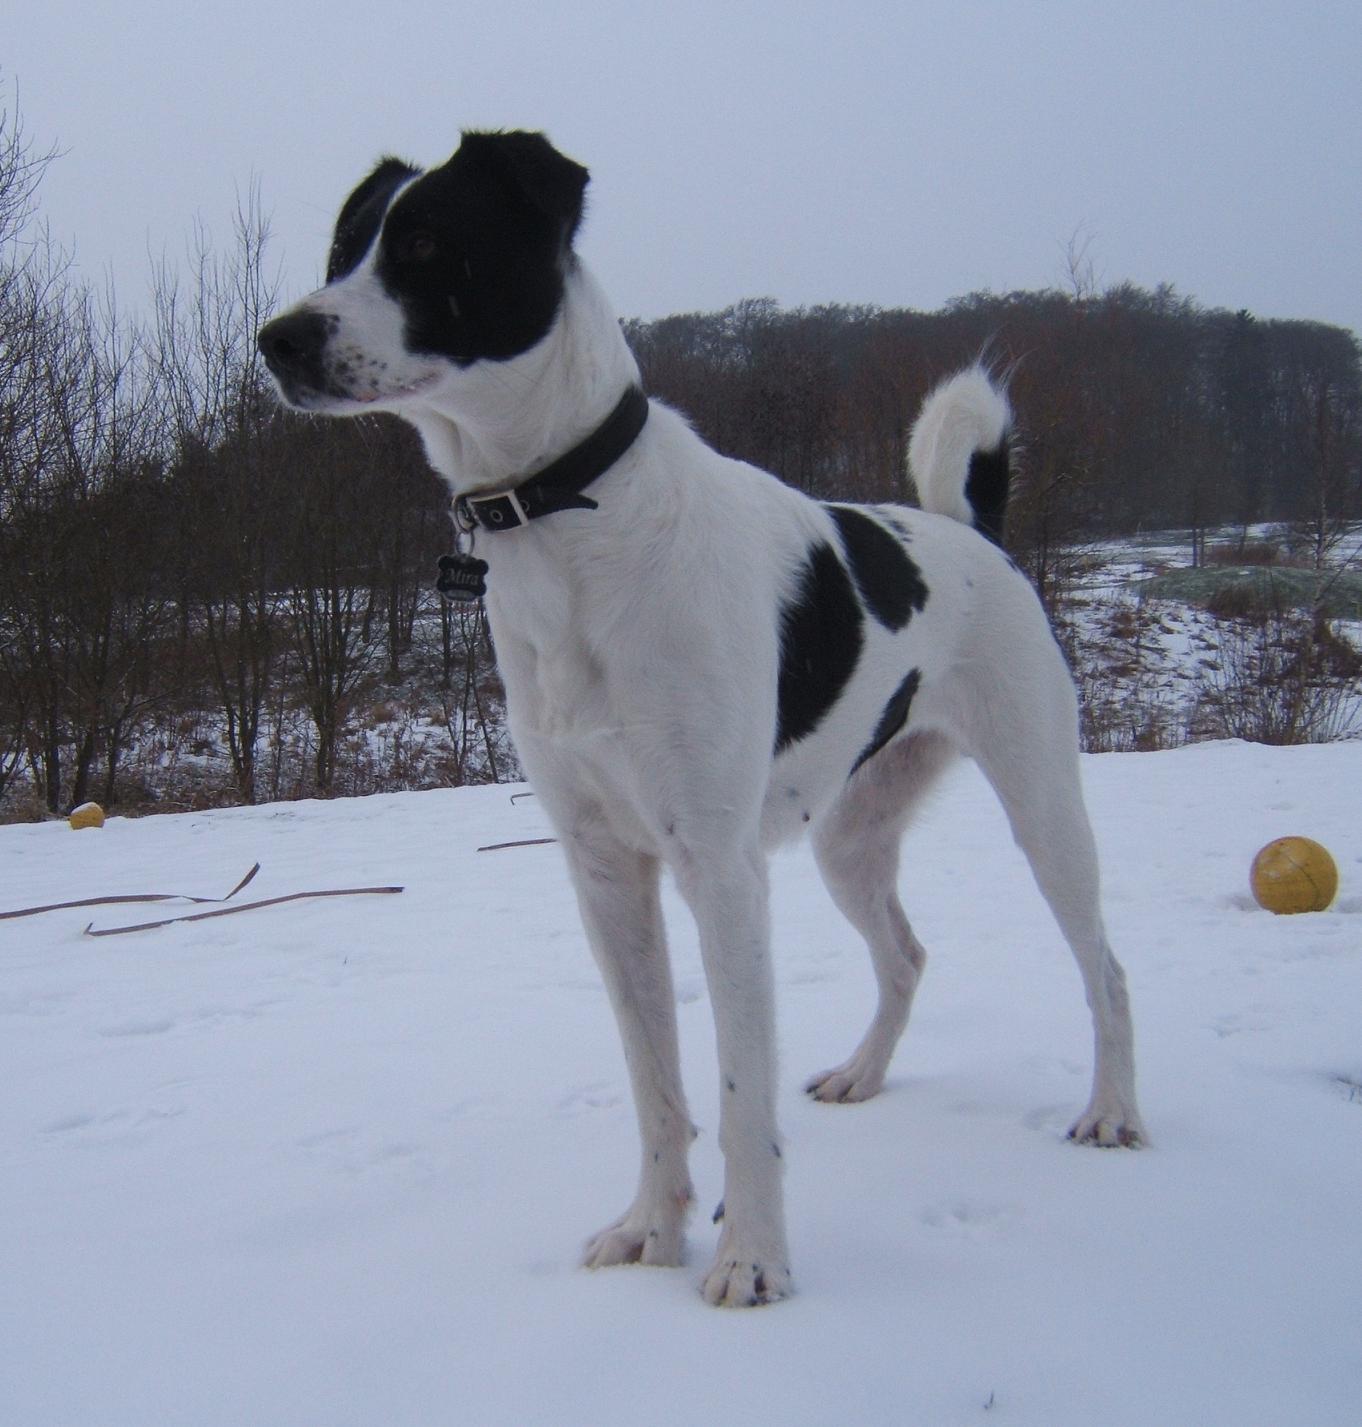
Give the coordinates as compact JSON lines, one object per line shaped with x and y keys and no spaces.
{"x":473,"y":699}
{"x":1245,"y":552}
{"x":1283,"y":678}
{"x":1117,"y":719}
{"x":1120,"y":673}
{"x":1237,"y":602}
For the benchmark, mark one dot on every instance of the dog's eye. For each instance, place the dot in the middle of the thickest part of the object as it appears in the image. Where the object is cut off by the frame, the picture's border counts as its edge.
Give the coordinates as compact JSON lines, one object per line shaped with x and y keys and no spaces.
{"x":418,"y":247}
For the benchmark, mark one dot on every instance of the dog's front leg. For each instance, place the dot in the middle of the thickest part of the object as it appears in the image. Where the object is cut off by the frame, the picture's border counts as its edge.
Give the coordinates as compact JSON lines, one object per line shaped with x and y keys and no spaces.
{"x":728,"y":896}
{"x":617,"y":891}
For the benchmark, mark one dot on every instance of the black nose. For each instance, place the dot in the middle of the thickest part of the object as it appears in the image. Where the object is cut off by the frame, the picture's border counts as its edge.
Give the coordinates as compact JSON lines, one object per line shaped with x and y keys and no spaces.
{"x":293,"y":344}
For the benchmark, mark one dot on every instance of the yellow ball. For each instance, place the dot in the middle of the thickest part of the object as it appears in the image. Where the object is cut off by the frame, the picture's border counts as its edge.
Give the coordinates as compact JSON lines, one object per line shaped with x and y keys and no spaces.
{"x":1293,"y":874}
{"x":87,"y":815}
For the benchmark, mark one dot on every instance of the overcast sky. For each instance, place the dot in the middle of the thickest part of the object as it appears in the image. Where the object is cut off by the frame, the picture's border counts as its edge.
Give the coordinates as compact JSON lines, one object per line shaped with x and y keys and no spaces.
{"x":891,"y":153}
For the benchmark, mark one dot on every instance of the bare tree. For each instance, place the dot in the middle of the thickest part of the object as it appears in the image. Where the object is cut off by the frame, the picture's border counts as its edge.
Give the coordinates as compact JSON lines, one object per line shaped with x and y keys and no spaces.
{"x":330,"y":580}
{"x":222,"y":427}
{"x":474,"y":702}
{"x":1326,"y":395}
{"x":21,"y":172}
{"x":81,"y":606}
{"x":1080,"y":272}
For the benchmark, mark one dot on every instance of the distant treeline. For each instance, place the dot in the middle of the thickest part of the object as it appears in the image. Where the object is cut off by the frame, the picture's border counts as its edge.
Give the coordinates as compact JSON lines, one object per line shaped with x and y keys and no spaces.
{"x":170,"y":539}
{"x":1136,"y":409}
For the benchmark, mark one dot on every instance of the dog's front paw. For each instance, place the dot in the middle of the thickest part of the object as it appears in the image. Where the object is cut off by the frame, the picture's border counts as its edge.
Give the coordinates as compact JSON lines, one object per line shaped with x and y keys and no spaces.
{"x":740,"y":1283}
{"x":646,"y":1235}
{"x":1109,"y":1127}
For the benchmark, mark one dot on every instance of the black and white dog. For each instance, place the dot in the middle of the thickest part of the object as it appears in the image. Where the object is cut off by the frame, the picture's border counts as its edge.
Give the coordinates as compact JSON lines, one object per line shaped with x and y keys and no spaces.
{"x":700,"y":661}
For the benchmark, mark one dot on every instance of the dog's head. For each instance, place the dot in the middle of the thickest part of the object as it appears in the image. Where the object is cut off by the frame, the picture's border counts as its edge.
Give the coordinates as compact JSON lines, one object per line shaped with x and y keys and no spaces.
{"x":430,"y":273}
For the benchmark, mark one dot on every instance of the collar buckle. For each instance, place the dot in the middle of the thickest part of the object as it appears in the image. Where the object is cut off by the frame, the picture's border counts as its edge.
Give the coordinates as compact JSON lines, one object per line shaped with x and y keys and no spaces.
{"x":501,"y":510}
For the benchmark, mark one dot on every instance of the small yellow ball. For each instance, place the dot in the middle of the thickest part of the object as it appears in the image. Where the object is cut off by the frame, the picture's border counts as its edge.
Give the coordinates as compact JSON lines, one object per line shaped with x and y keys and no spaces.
{"x":1293,"y":874}
{"x":87,"y":815}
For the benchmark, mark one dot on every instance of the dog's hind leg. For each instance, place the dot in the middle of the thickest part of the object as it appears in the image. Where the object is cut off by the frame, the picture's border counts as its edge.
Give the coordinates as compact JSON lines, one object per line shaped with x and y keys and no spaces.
{"x":856,"y":844}
{"x":1022,"y":730}
{"x":617,"y":891}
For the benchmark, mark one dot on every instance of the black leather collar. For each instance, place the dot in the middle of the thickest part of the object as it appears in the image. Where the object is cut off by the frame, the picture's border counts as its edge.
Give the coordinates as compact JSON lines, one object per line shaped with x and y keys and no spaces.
{"x":559,"y":486}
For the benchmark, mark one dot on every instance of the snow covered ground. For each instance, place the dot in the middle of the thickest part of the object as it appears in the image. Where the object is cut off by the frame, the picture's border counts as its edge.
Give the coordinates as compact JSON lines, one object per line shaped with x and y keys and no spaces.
{"x":331,"y":1162}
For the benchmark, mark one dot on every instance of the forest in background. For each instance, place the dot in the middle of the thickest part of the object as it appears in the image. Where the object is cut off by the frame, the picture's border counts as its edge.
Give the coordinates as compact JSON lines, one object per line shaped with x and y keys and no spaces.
{"x":189,"y":571}
{"x":1137,"y":410}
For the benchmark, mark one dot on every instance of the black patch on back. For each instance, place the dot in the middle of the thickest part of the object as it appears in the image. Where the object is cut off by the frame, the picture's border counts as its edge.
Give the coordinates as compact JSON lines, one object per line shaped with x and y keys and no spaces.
{"x":889,"y":581}
{"x":987,"y":488}
{"x":887,"y":518}
{"x":820,"y":642}
{"x":893,"y":718}
{"x":476,"y":250}
{"x":361,"y":216}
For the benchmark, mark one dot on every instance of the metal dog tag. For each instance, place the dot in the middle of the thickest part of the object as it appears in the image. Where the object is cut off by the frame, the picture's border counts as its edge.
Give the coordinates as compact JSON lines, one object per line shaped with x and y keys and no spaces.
{"x":462,"y":578}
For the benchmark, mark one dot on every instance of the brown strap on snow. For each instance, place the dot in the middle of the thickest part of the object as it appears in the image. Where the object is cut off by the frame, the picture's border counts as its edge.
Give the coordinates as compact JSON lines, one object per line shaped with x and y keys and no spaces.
{"x":92,"y":930}
{"x":135,"y":897}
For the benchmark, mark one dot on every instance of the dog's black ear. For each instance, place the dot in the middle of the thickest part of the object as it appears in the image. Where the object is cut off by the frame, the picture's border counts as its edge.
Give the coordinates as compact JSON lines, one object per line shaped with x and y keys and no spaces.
{"x":362,"y":213}
{"x":531,"y":167}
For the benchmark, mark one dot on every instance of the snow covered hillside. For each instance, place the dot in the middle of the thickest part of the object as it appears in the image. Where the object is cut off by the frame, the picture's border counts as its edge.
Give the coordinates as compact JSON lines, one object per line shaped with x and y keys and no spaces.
{"x":331,"y":1162}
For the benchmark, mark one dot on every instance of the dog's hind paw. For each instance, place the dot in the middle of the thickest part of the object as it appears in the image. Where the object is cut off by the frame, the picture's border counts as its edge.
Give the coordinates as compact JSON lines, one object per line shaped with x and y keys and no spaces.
{"x":850,"y":1083}
{"x":734,"y":1283}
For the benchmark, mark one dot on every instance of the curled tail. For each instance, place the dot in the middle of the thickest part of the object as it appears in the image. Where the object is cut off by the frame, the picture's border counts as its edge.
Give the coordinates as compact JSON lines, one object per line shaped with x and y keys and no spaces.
{"x":959,"y":455}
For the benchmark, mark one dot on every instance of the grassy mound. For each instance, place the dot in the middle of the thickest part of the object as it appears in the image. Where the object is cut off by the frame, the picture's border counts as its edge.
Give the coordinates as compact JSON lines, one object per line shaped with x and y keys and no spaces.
{"x":1248,"y":588}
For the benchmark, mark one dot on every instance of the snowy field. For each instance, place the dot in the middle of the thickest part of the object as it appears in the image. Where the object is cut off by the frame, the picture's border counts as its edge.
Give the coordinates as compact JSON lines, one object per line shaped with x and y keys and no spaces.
{"x":331,"y":1162}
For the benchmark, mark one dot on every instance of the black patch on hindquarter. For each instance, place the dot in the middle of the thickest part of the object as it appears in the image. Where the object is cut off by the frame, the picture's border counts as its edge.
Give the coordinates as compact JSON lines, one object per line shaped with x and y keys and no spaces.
{"x":986,"y":489}
{"x":476,"y":251}
{"x":889,"y":581}
{"x":820,"y":642}
{"x":893,"y":718}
